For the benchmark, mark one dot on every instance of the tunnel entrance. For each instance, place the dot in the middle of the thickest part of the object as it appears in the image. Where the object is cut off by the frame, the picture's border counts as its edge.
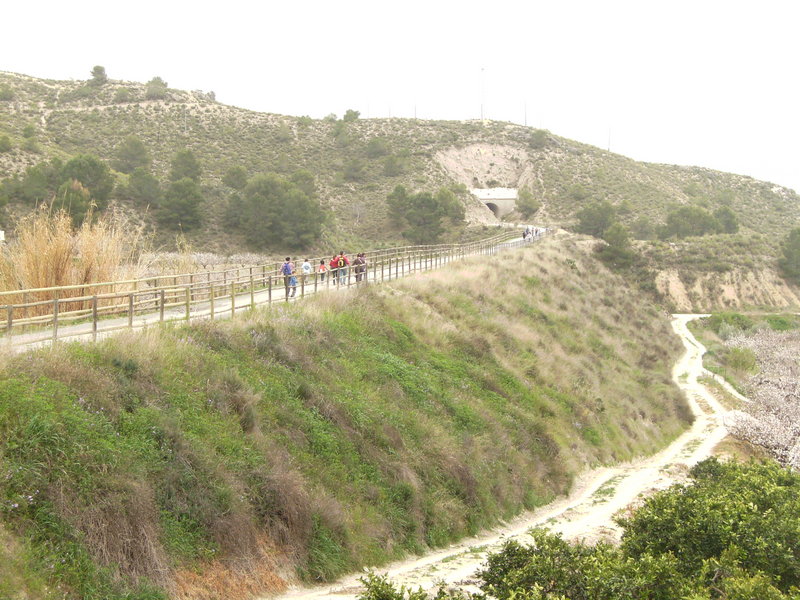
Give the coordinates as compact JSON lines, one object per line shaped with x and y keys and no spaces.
{"x":494,"y":208}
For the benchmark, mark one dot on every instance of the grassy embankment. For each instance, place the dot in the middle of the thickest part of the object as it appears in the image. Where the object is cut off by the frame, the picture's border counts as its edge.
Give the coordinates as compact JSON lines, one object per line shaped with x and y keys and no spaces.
{"x":217,"y":459}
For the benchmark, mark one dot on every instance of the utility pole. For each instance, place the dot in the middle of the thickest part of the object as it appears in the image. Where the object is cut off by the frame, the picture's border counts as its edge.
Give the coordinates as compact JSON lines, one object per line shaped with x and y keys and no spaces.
{"x":483,"y":92}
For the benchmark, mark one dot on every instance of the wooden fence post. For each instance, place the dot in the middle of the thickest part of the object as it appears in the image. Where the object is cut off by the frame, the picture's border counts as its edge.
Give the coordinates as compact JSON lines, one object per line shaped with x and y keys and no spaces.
{"x":94,"y":318}
{"x":188,"y":301}
{"x":55,"y":318}
{"x":211,"y":299}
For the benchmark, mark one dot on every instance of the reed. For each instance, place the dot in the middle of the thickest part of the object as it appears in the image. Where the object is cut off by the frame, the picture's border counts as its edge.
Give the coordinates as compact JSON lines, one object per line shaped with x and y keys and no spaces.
{"x":48,"y":252}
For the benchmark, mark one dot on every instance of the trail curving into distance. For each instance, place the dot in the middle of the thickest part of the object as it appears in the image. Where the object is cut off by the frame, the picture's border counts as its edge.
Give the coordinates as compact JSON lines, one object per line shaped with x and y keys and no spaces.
{"x":587,"y":512}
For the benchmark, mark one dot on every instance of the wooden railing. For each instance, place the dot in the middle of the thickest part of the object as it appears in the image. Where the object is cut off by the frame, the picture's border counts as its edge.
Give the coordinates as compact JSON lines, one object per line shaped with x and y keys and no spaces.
{"x":44,"y":315}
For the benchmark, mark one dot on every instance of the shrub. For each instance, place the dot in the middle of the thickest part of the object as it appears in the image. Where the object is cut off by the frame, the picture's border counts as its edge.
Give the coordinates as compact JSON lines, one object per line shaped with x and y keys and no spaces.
{"x":537,"y":139}
{"x":351,"y":115}
{"x":689,"y":221}
{"x":377,"y":147}
{"x":5,"y":143}
{"x":595,"y":218}
{"x":526,"y":202}
{"x":732,"y":533}
{"x":123,"y":95}
{"x":736,"y":320}
{"x":741,"y":359}
{"x":156,"y":89}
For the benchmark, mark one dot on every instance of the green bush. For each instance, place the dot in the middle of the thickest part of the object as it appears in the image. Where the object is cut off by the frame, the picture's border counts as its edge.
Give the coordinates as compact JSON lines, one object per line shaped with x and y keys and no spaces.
{"x":782,"y":322}
{"x":185,"y":165}
{"x":735,"y":320}
{"x":156,"y":89}
{"x":130,"y":155}
{"x":741,"y":359}
{"x":279,"y":212}
{"x":180,"y":205}
{"x":732,"y":533}
{"x":93,"y":173}
{"x":595,"y":219}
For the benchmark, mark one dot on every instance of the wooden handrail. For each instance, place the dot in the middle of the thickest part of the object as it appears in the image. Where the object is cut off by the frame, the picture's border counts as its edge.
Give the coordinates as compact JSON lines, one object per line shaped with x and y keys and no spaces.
{"x":209,"y":294}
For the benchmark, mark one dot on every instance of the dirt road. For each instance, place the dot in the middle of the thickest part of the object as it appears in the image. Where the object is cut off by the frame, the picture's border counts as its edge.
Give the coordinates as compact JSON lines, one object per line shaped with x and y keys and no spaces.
{"x":587,"y":512}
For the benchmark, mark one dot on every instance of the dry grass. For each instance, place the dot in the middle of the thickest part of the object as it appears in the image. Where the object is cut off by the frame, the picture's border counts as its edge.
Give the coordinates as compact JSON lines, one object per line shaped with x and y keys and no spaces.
{"x":256,"y":576}
{"x":48,"y":252}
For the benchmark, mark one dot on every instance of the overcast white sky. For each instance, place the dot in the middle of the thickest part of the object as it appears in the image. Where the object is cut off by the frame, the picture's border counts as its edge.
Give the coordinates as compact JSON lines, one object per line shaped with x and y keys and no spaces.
{"x":703,"y":82}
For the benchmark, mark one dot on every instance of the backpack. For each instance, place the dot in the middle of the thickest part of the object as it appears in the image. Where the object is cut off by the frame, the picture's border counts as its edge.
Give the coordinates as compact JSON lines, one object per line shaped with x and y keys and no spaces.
{"x":286,"y":269}
{"x":340,"y":263}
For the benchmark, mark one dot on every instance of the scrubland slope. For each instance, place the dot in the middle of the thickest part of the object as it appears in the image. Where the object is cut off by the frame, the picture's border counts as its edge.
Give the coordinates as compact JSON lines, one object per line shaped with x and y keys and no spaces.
{"x":223,"y":459}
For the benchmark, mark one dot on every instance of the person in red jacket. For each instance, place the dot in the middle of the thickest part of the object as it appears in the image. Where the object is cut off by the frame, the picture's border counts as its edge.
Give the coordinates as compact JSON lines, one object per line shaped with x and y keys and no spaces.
{"x":334,"y":269}
{"x":342,"y":262}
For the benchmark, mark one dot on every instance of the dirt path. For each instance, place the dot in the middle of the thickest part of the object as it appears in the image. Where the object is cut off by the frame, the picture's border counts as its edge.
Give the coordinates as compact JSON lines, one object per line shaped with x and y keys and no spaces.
{"x":587,"y":512}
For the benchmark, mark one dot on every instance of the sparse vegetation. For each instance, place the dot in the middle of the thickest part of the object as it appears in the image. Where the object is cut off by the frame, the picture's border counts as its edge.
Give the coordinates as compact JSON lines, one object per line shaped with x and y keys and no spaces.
{"x":358,"y":162}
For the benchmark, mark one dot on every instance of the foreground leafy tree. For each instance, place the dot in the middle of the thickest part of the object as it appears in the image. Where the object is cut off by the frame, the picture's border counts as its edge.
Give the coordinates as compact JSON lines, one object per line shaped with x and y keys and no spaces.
{"x":99,"y":76}
{"x":280,"y":212}
{"x":143,"y":187}
{"x":527,"y":203}
{"x":421,"y":215}
{"x":235,"y":177}
{"x":728,"y":222}
{"x":156,"y":89}
{"x":595,"y":219}
{"x":74,"y":199}
{"x":790,"y":261}
{"x":688,"y":221}
{"x":617,"y":252}
{"x":131,"y":154}
{"x":39,"y":183}
{"x":184,"y":164}
{"x":180,"y":207}
{"x":93,"y":173}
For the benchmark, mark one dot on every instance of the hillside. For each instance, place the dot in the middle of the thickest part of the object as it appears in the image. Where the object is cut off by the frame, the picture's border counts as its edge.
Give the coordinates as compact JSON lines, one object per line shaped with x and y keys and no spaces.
{"x":73,"y":117}
{"x":223,"y":459}
{"x":356,"y":163}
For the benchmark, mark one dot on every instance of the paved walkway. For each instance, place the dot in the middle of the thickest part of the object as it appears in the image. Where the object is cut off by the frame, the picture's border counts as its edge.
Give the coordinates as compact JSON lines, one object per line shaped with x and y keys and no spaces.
{"x":223,"y":307}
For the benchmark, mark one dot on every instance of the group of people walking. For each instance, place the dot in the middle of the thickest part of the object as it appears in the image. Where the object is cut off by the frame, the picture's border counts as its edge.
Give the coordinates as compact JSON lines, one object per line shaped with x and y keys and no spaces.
{"x":531,"y":233}
{"x":337,"y":270}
